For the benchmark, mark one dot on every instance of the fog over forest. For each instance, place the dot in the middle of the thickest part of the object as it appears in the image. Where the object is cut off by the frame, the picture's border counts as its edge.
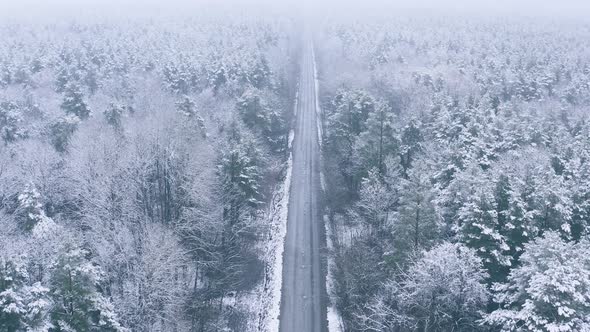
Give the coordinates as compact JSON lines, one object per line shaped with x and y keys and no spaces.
{"x":571,"y":8}
{"x":294,"y":166}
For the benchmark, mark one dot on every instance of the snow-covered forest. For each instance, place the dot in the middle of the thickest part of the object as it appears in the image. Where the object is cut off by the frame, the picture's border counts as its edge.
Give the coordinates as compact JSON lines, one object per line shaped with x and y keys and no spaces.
{"x":298,"y":167}
{"x":456,"y":153}
{"x":137,"y":160}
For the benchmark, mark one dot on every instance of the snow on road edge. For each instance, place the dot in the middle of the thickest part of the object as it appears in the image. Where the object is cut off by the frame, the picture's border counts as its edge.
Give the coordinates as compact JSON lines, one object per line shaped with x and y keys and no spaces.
{"x":334,"y":319}
{"x":275,"y":253}
{"x":318,"y":109}
{"x":264,"y":302}
{"x":266,"y":298}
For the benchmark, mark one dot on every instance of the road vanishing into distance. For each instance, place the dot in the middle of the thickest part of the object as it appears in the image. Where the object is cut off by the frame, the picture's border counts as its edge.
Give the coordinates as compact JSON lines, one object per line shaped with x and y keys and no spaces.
{"x":303,"y":302}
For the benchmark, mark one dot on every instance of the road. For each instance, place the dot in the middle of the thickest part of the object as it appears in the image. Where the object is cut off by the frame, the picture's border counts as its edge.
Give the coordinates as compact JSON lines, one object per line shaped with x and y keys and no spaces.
{"x":303,"y":302}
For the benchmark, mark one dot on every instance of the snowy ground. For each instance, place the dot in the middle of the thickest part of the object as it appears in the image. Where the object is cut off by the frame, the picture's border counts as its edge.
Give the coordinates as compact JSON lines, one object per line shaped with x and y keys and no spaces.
{"x":334,"y":319}
{"x":263,"y":304}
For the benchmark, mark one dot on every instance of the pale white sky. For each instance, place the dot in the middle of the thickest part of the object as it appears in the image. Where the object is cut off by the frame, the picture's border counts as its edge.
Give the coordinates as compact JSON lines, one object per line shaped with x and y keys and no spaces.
{"x":580,"y":8}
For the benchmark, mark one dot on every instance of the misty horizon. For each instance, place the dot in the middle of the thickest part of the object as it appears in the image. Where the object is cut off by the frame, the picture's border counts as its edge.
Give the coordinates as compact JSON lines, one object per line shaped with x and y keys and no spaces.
{"x":546,"y":8}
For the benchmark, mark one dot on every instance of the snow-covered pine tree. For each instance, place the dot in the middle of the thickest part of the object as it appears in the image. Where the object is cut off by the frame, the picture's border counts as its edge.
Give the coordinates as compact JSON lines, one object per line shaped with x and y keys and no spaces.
{"x":61,"y":131}
{"x":548,"y":291}
{"x":417,"y":225}
{"x":240,"y":175}
{"x":479,"y":229}
{"x":12,"y":277}
{"x":375,"y":202}
{"x":23,"y":307}
{"x":378,"y":141}
{"x":63,"y":77}
{"x":73,"y":102}
{"x":411,"y":144}
{"x":10,"y":122}
{"x":442,"y":290}
{"x":260,"y":74}
{"x":77,"y":303}
{"x":253,"y":110}
{"x":186,"y":106}
{"x":346,"y":121}
{"x":30,"y":211}
{"x":114,"y":115}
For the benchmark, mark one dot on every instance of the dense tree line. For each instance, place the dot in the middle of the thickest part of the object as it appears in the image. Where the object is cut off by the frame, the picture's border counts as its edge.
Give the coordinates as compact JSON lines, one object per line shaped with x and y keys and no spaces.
{"x":456,"y":154}
{"x":136,"y":161}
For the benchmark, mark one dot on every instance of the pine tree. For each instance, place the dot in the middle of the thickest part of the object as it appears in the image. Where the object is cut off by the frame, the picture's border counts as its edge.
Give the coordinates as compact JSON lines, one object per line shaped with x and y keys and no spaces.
{"x":62,"y":130}
{"x":10,"y":122}
{"x":417,"y":224}
{"x":513,"y":221}
{"x":411,"y":140}
{"x":480,"y":230}
{"x":78,"y":305}
{"x":22,"y":75}
{"x":378,"y":141}
{"x":346,"y":122}
{"x":545,"y":199}
{"x":253,"y":110}
{"x":36,"y":65}
{"x":218,"y":78}
{"x":240,"y":176}
{"x":64,"y":76}
{"x":22,"y":307}
{"x":276,"y":131}
{"x":579,"y":182}
{"x":73,"y":103}
{"x":260,"y":75}
{"x":91,"y":79}
{"x":5,"y":75}
{"x":30,"y":211}
{"x":114,"y":115}
{"x":442,"y":290}
{"x":375,"y":203}
{"x":262,"y":115}
{"x":187,"y":107}
{"x":12,"y":276}
{"x":548,"y":291}
{"x":554,"y":203}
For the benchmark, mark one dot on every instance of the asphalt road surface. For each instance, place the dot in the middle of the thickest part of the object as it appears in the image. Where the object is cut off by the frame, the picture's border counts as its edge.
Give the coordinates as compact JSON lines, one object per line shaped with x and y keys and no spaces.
{"x":303,"y":302}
